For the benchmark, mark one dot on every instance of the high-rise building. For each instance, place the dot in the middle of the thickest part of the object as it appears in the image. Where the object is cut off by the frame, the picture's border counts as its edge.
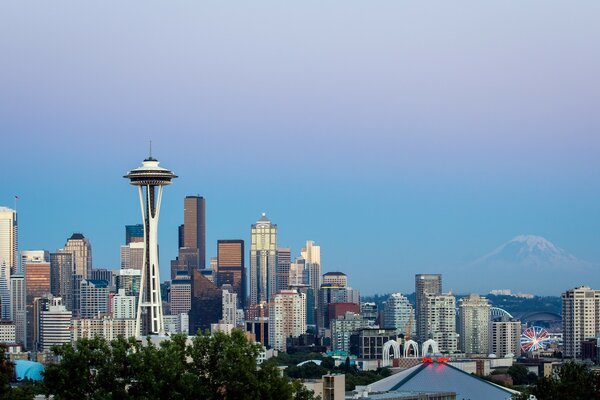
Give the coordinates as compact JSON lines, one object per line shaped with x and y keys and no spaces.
{"x":55,"y":325}
{"x":8,"y":256}
{"x":263,"y":260}
{"x":207,"y":303}
{"x":18,"y":310}
{"x":298,"y":273}
{"x":128,"y":279}
{"x":335,"y":279}
{"x":194,"y":228}
{"x":104,"y":327}
{"x":311,"y":254}
{"x":134,"y":234}
{"x":132,"y":256}
{"x":229,"y":305}
{"x":180,"y":296}
{"x":330,"y":294}
{"x":474,"y":324}
{"x":37,"y":280}
{"x":33,"y":312}
{"x":398,"y":314}
{"x":425,"y":284}
{"x":103,"y":274}
{"x":441,"y":321}
{"x":150,"y":180}
{"x":369,"y":312}
{"x":287,"y":317}
{"x":93,"y":298}
{"x":580,"y":318}
{"x":61,"y":277}
{"x":343,"y":327}
{"x":81,"y":248}
{"x":230,"y":267}
{"x":34,"y":256}
{"x":8,"y":332}
{"x":284,"y":259}
{"x":123,"y":306}
{"x":505,"y":337}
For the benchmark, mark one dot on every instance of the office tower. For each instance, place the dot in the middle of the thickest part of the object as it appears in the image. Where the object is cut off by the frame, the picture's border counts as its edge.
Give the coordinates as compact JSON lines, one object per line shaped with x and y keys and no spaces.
{"x":55,"y":325}
{"x":61,"y":277}
{"x":440,"y":311}
{"x":229,"y":305}
{"x":179,"y":323}
{"x":150,"y":180}
{"x":298,"y":273}
{"x":134,"y":234}
{"x":287,"y":317}
{"x":581,"y":318}
{"x":93,"y":298}
{"x":17,"y":304}
{"x":33,"y":313}
{"x":76,"y":294}
{"x":82,"y":254}
{"x":398,"y":314}
{"x":505,"y":337}
{"x":180,"y":296}
{"x":330,"y":294}
{"x":368,"y":311}
{"x":129,"y":279}
{"x":311,"y":254}
{"x":343,"y":327}
{"x":263,"y":260}
{"x":123,"y":306}
{"x":284,"y":259}
{"x":368,"y":343}
{"x":180,"y":233}
{"x":425,"y":284}
{"x":207,"y":303}
{"x":103,"y":274}
{"x":230,"y":267}
{"x":474,"y":324}
{"x":34,"y":256}
{"x":132,"y":256}
{"x":214,"y":265}
{"x":37,"y":280}
{"x":194,"y":228}
{"x":8,"y":256}
{"x":335,"y":279}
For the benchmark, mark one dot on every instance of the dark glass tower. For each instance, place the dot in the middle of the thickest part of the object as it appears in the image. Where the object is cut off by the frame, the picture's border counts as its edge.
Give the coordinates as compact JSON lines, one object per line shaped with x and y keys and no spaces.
{"x":194,"y":227}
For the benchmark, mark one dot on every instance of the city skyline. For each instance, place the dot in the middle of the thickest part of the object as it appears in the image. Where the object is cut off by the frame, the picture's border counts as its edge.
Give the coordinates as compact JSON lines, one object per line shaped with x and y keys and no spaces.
{"x":400,"y":141}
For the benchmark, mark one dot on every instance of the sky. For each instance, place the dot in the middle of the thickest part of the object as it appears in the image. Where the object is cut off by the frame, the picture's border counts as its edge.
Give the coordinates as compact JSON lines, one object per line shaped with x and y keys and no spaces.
{"x":403,"y":137}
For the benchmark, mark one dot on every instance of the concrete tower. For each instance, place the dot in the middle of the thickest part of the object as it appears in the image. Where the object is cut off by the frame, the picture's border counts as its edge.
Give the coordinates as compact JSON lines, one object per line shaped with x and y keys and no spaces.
{"x":150,"y":180}
{"x":263,"y":260}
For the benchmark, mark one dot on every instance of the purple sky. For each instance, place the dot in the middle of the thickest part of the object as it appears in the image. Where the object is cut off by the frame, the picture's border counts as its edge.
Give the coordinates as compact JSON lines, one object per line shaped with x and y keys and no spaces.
{"x":403,"y":137}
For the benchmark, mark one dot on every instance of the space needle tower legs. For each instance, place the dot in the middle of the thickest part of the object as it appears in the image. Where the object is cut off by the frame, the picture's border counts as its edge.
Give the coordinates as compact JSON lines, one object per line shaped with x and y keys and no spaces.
{"x":150,"y":180}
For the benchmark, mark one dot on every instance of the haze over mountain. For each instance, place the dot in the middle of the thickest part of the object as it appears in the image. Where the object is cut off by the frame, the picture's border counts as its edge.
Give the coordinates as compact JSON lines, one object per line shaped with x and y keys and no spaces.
{"x":533,"y":264}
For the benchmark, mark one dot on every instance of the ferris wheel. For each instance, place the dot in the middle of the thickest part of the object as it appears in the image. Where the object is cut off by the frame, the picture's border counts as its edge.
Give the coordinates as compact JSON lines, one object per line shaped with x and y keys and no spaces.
{"x":534,"y":338}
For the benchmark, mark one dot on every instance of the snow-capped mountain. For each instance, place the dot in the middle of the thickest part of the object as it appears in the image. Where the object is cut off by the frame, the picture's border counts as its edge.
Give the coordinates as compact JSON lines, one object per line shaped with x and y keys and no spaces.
{"x":533,"y":252}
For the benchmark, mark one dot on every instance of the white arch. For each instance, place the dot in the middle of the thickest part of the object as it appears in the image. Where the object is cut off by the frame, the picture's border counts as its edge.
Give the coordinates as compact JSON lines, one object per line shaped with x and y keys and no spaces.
{"x":386,"y":351}
{"x":429,"y":344}
{"x":411,"y":344}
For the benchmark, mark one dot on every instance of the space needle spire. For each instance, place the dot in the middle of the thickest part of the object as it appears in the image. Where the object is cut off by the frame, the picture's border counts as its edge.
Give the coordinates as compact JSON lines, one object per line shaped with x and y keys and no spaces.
{"x":150,"y":180}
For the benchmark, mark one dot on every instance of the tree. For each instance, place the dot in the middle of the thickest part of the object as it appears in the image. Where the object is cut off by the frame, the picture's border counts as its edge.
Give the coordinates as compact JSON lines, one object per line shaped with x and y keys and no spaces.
{"x":574,"y":381}
{"x":219,"y":367}
{"x":518,"y":373}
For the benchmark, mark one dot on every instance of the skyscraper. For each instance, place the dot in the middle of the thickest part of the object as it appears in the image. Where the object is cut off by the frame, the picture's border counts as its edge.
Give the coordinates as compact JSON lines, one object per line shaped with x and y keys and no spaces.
{"x":132,"y":256}
{"x":263,"y":260}
{"x":194,"y":227}
{"x":17,"y":302}
{"x":505,"y":337}
{"x":284,"y":259}
{"x":61,"y":277}
{"x":180,"y":296}
{"x":207,"y":303}
{"x":55,"y":325}
{"x":287,"y":317}
{"x":398,"y":314}
{"x":441,"y":321}
{"x":32,"y":256}
{"x":37,"y":280}
{"x":229,"y":305}
{"x":93,"y":298}
{"x":230,"y":267}
{"x":474,"y":324}
{"x":581,"y":318}
{"x":150,"y":180}
{"x":81,"y":248}
{"x":311,"y":253}
{"x":134,"y":233}
{"x":8,"y":256}
{"x":425,"y":284}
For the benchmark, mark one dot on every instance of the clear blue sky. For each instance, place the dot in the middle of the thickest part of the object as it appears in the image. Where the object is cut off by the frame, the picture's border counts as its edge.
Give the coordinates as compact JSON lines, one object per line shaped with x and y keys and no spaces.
{"x":403,"y":137}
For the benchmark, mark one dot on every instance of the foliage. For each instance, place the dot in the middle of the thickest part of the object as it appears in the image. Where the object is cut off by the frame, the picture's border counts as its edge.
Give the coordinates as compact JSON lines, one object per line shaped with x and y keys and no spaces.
{"x":24,"y":390}
{"x":521,"y":375}
{"x":215,"y":367}
{"x":574,"y":381}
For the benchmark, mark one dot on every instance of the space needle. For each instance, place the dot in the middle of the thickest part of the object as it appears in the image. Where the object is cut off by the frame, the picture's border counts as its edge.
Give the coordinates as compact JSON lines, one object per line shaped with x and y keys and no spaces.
{"x":150,"y":180}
